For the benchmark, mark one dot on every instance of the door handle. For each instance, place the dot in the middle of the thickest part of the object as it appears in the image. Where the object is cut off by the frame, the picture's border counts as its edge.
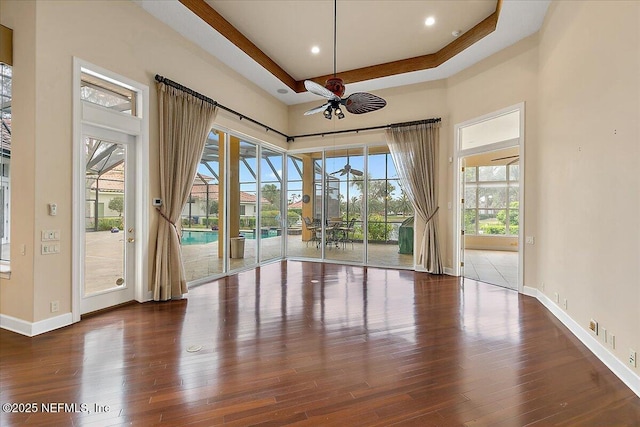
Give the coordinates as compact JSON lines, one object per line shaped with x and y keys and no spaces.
{"x":131,"y":240}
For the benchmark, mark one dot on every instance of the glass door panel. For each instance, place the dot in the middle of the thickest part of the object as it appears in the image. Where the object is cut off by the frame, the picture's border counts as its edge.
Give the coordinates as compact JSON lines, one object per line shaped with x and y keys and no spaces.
{"x":344,"y":188}
{"x":109,"y":220}
{"x":304,"y":208}
{"x":202,"y":228}
{"x":244,"y":231}
{"x":389,"y":214}
{"x":271,"y":220}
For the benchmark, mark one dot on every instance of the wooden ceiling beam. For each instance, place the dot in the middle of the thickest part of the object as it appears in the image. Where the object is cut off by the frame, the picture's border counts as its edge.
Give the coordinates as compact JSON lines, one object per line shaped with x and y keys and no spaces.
{"x":224,"y":27}
{"x":418,"y":63}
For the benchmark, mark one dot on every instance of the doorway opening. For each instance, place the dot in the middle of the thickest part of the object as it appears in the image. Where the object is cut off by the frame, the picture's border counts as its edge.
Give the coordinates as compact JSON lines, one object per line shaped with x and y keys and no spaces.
{"x":489,"y":195}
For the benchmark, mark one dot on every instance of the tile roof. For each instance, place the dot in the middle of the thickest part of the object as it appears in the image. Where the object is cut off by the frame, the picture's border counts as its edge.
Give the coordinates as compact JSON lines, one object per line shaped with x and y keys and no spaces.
{"x":112,"y":182}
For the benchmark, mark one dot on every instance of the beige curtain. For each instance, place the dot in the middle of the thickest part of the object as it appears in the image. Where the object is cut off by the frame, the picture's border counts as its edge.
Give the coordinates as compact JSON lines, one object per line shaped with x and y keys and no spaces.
{"x":414,"y":149}
{"x":185,"y":122}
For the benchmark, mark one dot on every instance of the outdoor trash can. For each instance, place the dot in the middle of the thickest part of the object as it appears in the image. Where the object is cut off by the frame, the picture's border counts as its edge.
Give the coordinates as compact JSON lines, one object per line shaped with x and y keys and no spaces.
{"x":237,"y":247}
{"x":405,"y":237}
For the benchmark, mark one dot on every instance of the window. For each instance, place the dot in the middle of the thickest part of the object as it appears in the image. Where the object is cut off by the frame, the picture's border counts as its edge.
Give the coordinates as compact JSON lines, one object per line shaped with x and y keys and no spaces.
{"x":491,"y":195}
{"x":99,"y":91}
{"x":5,"y":159}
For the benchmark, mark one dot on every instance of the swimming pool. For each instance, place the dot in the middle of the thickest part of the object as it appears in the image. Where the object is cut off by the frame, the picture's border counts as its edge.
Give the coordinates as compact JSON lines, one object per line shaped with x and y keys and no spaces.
{"x":199,"y":237}
{"x":192,"y":237}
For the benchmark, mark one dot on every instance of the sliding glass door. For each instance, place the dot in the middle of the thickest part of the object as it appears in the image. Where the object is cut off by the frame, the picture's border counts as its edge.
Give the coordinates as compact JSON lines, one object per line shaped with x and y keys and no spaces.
{"x":347,"y":205}
{"x":304,"y":205}
{"x":232,"y":218}
{"x":344,"y":189}
{"x":271,"y":202}
{"x":389,"y":213}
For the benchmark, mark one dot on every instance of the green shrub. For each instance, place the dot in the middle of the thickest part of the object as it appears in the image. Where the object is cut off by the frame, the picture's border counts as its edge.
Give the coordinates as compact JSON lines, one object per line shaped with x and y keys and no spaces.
{"x":499,"y":229}
{"x":378,"y":230}
{"x":293,"y":217}
{"x":247,"y":222}
{"x":514,"y":214}
{"x":210,"y":222}
{"x":270,"y":218}
{"x":492,"y":228}
{"x":108,"y":223}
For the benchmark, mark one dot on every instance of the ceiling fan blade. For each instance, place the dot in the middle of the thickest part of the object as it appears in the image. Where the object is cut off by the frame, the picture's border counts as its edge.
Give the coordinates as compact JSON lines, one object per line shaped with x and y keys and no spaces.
{"x":316,"y":110}
{"x":503,"y":158}
{"x":317,"y":89}
{"x":333,"y":173}
{"x":343,"y":172}
{"x":363,"y":102}
{"x":356,"y":172}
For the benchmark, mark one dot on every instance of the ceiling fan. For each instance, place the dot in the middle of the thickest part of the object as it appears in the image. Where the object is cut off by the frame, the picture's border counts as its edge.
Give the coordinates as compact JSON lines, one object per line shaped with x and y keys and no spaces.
{"x":348,"y":169}
{"x":333,"y":89}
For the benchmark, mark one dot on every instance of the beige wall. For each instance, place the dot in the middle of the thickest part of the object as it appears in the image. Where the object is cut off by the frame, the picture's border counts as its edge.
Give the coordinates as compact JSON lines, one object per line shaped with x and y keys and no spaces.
{"x":585,"y":171}
{"x":17,"y":294}
{"x":581,"y":93}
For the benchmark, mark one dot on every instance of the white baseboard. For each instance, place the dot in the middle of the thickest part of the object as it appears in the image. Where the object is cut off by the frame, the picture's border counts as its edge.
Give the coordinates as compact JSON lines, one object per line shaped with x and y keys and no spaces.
{"x":622,"y":371}
{"x":31,"y":329}
{"x":449,"y":271}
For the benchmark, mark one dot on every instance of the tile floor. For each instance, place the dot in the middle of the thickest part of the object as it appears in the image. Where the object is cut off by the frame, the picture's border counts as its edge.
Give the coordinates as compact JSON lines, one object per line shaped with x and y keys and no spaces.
{"x":494,"y":267}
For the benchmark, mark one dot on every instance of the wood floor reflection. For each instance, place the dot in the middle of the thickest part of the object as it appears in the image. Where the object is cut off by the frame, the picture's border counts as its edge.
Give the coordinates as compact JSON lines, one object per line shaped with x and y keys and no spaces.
{"x":317,"y":344}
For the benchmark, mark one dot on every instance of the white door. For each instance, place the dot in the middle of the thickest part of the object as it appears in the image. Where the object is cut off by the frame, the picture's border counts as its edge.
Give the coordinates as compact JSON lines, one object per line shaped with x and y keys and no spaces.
{"x":108,"y":267}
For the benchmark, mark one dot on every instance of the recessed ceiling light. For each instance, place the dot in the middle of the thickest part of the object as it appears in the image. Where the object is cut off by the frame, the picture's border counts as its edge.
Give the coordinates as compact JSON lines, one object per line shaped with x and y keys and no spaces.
{"x":315,"y":50}
{"x":430,"y":21}
{"x":282,"y":91}
{"x":456,"y":33}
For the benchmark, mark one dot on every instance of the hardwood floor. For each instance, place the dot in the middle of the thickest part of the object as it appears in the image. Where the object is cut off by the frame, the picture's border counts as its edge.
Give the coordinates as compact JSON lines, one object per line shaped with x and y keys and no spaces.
{"x":317,"y":344}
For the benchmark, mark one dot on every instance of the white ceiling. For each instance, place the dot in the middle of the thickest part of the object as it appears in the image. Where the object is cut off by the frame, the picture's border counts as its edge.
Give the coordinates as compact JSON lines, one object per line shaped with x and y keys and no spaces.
{"x":368,"y":33}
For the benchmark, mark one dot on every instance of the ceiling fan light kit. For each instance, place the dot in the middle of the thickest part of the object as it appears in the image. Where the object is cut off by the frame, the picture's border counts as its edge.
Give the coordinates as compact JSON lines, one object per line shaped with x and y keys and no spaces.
{"x":333,"y":90}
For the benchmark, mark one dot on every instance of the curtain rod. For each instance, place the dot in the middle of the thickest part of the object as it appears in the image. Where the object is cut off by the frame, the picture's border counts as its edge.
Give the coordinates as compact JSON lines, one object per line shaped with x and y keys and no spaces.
{"x":392,"y":125}
{"x":192,"y":92}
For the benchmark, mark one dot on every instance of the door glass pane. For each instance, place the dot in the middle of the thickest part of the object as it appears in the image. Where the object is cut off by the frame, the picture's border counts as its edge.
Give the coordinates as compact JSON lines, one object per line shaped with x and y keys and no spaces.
{"x":345,"y":180}
{"x":271,"y":205}
{"x":389,"y":214}
{"x":244,"y":205}
{"x":304,"y":231}
{"x":105,"y":226}
{"x":201,"y":226}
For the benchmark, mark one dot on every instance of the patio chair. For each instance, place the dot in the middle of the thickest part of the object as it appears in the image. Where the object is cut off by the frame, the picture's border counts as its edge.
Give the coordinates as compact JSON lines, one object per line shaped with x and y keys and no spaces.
{"x":309,"y":225}
{"x":347,"y":233}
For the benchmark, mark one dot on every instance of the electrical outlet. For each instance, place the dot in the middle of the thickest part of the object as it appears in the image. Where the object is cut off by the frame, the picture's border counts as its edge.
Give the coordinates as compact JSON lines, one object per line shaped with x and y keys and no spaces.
{"x":593,"y":325}
{"x":564,"y":304}
{"x":55,"y":306}
{"x":632,"y":358}
{"x":611,"y":340}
